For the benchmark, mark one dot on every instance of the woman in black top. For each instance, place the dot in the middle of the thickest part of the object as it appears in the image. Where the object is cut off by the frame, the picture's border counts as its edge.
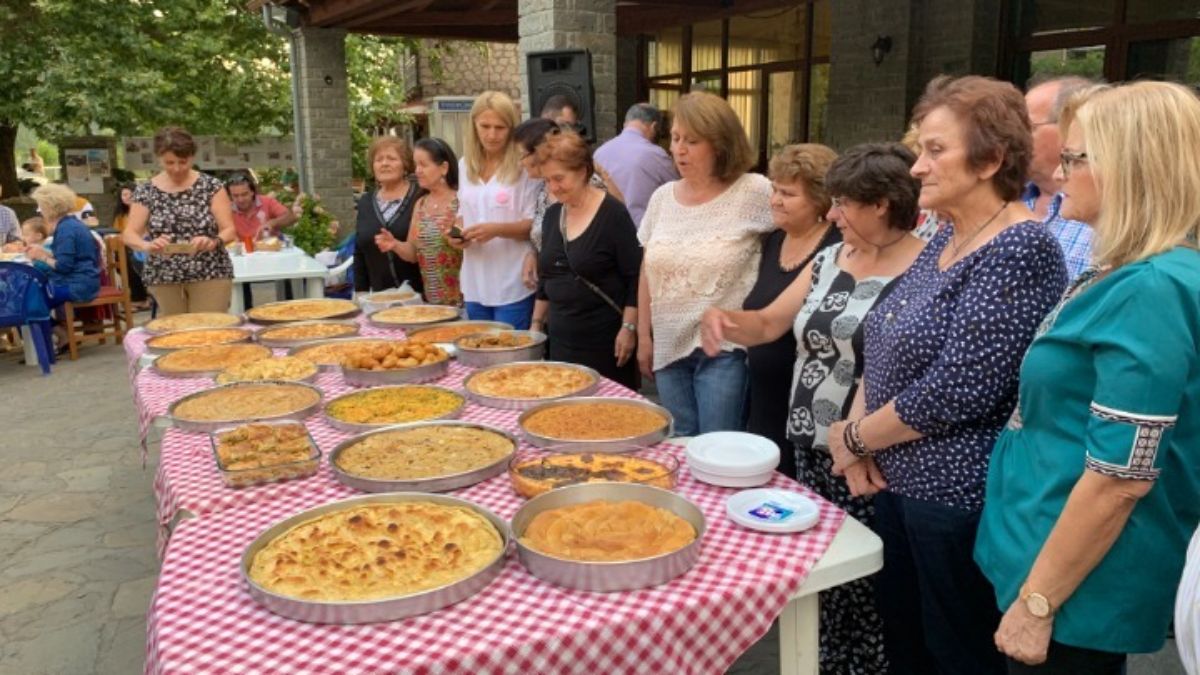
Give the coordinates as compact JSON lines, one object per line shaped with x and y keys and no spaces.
{"x":389,"y":206}
{"x":588,"y":267}
{"x":798,"y":203}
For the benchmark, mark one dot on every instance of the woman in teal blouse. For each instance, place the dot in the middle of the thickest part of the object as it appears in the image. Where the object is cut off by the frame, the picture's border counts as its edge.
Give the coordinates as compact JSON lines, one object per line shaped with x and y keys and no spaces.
{"x":1094,"y":487}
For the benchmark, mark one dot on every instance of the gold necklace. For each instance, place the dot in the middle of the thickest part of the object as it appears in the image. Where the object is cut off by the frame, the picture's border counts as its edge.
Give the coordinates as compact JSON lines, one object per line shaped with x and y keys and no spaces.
{"x":959,"y":247}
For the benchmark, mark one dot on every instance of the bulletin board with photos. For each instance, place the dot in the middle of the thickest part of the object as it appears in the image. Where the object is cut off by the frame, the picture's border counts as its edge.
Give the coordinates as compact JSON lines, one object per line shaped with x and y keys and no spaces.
{"x":214,"y":153}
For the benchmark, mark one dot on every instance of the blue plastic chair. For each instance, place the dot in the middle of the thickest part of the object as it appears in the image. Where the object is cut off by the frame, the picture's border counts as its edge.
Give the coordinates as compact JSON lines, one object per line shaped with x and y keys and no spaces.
{"x":25,"y":301}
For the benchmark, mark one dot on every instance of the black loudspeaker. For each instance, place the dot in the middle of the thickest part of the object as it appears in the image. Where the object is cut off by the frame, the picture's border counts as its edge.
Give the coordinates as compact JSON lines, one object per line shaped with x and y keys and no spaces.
{"x":564,"y":72}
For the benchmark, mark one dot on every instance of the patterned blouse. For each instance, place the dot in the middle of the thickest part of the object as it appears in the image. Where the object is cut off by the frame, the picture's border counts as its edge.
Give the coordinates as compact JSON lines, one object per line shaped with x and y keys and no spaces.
{"x":947,"y":346}
{"x":440,"y":263}
{"x":180,"y":216}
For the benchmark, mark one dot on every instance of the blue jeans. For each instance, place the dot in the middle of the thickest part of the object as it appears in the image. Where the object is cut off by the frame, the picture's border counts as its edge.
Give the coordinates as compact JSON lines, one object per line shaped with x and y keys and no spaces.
{"x":517,"y":313}
{"x":705,"y":394}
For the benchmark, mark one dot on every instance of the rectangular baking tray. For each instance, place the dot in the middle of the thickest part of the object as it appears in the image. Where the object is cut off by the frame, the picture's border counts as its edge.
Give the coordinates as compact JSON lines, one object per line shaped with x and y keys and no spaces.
{"x":209,"y":426}
{"x":606,"y":445}
{"x":184,"y":375}
{"x":272,"y":473}
{"x":356,"y":427}
{"x":411,"y":325}
{"x":482,"y":358}
{"x":432,"y":484}
{"x":355,"y":311}
{"x":373,"y":611}
{"x":247,"y":336}
{"x":428,"y":372}
{"x":609,"y":576}
{"x":283,"y":343}
{"x":328,"y":366}
{"x":527,"y":403}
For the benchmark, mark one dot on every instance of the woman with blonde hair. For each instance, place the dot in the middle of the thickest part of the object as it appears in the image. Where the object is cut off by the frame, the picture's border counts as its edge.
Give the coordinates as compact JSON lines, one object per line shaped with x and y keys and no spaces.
{"x":1094,"y":487}
{"x":496,"y":201}
{"x":72,"y":260}
{"x":702,"y":240}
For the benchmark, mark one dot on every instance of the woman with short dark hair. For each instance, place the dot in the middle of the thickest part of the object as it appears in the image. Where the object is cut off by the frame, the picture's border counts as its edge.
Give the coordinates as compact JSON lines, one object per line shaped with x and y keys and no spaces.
{"x":943,"y":350}
{"x":388,"y":208}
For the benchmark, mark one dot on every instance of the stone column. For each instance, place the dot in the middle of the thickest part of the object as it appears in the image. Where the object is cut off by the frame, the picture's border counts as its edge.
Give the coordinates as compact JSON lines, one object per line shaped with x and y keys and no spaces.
{"x":323,"y":119}
{"x":575,"y":24}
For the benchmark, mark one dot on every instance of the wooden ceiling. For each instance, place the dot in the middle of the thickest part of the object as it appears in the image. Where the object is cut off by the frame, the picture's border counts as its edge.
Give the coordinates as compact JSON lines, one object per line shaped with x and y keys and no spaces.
{"x":495,"y":20}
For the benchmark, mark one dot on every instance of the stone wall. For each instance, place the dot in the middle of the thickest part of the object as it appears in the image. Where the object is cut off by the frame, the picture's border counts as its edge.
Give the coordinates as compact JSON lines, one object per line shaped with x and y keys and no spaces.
{"x":323,"y":123}
{"x":575,"y":24}
{"x":469,"y":68}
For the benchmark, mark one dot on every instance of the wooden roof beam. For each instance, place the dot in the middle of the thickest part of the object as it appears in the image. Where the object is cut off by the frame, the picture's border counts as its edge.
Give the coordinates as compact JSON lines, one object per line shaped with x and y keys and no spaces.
{"x":339,"y":12}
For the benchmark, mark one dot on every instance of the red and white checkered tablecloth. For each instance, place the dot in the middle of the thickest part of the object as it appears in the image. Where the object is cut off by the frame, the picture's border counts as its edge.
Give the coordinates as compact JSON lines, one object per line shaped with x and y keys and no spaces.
{"x":188,"y":479}
{"x":202,"y":618}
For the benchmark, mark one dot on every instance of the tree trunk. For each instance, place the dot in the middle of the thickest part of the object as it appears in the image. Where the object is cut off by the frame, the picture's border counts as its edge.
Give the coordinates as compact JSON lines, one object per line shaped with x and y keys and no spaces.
{"x":8,"y":161}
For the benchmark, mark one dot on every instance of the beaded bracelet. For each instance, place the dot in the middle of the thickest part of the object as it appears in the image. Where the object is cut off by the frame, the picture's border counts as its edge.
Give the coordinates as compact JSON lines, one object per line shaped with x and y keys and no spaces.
{"x":854,"y":441}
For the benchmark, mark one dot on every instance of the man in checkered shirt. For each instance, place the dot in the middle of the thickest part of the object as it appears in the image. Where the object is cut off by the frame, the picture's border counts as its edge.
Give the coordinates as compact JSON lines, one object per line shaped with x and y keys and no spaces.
{"x":1045,"y":101}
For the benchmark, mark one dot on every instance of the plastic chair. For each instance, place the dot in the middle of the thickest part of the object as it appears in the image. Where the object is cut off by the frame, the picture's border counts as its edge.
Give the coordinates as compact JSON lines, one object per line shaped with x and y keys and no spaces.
{"x":25,"y":301}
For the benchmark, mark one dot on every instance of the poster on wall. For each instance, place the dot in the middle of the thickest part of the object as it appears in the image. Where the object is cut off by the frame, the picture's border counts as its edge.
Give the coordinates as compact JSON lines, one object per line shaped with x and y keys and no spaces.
{"x":216,"y":153}
{"x":84,"y":176}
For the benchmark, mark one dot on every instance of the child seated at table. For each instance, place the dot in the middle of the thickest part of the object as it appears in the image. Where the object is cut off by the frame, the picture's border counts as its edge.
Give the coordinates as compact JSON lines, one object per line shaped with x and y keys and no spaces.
{"x":33,"y":233}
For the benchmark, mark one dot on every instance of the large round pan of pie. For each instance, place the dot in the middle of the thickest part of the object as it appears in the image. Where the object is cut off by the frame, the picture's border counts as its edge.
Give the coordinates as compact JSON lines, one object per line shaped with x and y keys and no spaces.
{"x":480,"y":350}
{"x":371,"y":409}
{"x":423,"y":457}
{"x":596,"y":423}
{"x":170,"y":324}
{"x":327,"y":354}
{"x":197,"y":337}
{"x":311,"y":309}
{"x":525,"y":384}
{"x":300,"y":567}
{"x":300,"y":332}
{"x":208,"y":361}
{"x":608,"y":536}
{"x":413,"y":316}
{"x":446,"y":334}
{"x":228,"y":404}
{"x":394,"y":363}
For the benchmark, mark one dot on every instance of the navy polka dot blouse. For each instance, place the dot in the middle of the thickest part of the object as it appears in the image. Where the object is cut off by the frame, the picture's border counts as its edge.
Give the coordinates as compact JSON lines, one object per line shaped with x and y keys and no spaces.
{"x":947,"y":348}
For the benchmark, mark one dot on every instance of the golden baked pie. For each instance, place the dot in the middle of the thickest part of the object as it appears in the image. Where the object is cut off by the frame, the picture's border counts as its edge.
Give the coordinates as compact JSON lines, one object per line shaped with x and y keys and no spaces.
{"x":251,"y":400}
{"x":415,"y":314}
{"x":390,"y":296}
{"x":262,"y":453}
{"x":449,"y":333}
{"x":274,"y":368}
{"x":603,"y":531}
{"x":199,"y":338}
{"x":331,"y":353}
{"x":530,"y":381}
{"x":394,"y":405}
{"x":307,"y":331}
{"x":207,"y":359}
{"x":176,"y":322}
{"x":302,"y":310}
{"x":392,"y":356}
{"x":533,"y":476}
{"x":593,"y":421}
{"x":377,"y":551}
{"x":424,"y":452}
{"x":501,"y":340}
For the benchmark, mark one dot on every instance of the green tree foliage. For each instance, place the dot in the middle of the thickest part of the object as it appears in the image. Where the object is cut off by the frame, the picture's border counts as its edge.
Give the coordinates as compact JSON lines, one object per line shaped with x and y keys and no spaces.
{"x":378,"y":89}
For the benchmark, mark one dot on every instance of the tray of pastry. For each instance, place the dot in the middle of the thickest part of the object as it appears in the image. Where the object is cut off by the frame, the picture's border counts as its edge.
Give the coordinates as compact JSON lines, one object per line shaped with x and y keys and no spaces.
{"x":256,"y":453}
{"x":311,"y":309}
{"x":177,"y":322}
{"x":423,"y":457}
{"x":446,"y":334}
{"x":525,"y":384}
{"x":298,"y":568}
{"x":413,"y":316}
{"x":598,"y":423}
{"x":280,"y":368}
{"x":480,"y":350}
{"x":370,"y":409}
{"x":327,"y":354}
{"x":208,"y":361}
{"x":532,"y":473}
{"x":197,"y":337}
{"x":229,"y":404}
{"x":394,"y":363}
{"x":300,"y":332}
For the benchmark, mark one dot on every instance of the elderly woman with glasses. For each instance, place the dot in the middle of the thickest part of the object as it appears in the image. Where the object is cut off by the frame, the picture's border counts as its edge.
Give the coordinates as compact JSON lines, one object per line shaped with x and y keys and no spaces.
{"x":1094,"y":487}
{"x":942,"y":355}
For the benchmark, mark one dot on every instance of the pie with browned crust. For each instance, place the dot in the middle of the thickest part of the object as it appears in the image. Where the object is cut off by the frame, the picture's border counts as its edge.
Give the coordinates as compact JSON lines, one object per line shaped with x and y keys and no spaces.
{"x":246,"y":401}
{"x":593,"y":421}
{"x":450,"y":332}
{"x":530,"y":381}
{"x":207,"y":359}
{"x":409,"y":314}
{"x":307,"y":331}
{"x":424,"y":452}
{"x":531,"y":477}
{"x":200,"y":337}
{"x":176,"y":322}
{"x":332,"y":353}
{"x":273,"y":368}
{"x":302,"y":310}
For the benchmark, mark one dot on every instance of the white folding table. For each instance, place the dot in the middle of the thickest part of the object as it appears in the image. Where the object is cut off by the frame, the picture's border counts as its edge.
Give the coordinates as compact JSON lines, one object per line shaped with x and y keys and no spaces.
{"x":278,"y":266}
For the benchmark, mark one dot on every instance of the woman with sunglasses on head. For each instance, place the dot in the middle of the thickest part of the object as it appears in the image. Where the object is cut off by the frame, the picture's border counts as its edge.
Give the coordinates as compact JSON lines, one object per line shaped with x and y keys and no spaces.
{"x":874,"y":207}
{"x":1094,"y":487}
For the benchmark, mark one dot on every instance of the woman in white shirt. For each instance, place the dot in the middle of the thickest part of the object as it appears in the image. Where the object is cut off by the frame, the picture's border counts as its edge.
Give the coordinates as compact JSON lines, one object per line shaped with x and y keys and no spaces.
{"x":496,"y":200}
{"x":702,"y":237}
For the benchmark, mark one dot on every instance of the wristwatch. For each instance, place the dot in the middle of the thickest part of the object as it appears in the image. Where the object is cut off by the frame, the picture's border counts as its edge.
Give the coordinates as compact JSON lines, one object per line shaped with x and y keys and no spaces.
{"x":632,"y":328}
{"x":1038,"y":605}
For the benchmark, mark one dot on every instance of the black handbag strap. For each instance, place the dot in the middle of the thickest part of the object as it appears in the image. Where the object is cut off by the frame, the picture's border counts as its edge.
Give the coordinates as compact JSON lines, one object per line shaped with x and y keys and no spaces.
{"x":562,"y":228}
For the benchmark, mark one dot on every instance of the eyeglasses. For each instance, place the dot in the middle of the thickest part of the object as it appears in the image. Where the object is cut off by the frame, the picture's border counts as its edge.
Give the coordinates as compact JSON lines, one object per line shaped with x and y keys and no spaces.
{"x":1042,"y":124}
{"x":1069,"y":160}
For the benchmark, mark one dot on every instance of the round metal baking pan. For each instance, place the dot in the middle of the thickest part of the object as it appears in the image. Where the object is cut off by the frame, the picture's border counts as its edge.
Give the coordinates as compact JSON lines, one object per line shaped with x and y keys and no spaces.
{"x":373,"y":302}
{"x":478,"y":326}
{"x":410,"y":325}
{"x":609,"y":576}
{"x":350,"y":311}
{"x":208,"y":372}
{"x":294,"y":351}
{"x":527,"y":403}
{"x":310,"y":378}
{"x":285,"y":343}
{"x":603,"y":445}
{"x":358,"y":427}
{"x":443,"y":483}
{"x":482,"y":358}
{"x":359,"y":377}
{"x":246,"y":336}
{"x":209,"y":426}
{"x":238,"y":320}
{"x":373,"y":611}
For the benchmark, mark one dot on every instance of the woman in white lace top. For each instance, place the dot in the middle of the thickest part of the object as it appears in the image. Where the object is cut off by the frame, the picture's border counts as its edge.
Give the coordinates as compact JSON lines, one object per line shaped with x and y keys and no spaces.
{"x":702,"y":237}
